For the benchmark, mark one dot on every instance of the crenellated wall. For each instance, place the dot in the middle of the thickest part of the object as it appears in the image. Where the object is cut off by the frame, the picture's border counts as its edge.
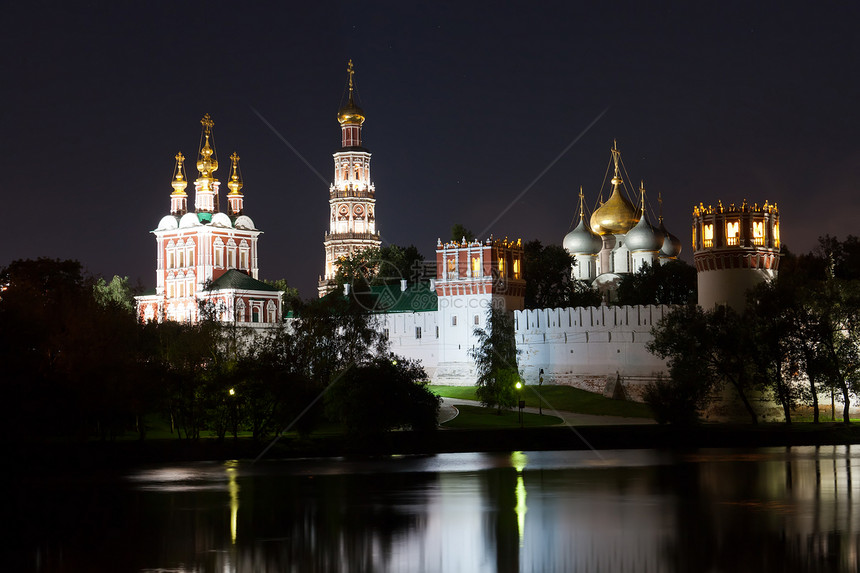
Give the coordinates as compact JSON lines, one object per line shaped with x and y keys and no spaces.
{"x":587,"y":347}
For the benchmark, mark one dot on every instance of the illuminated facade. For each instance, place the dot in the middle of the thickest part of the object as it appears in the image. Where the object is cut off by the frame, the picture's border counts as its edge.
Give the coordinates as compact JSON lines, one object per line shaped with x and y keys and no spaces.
{"x":735,"y":248}
{"x":619,"y":238}
{"x":352,"y":196}
{"x":207,"y":258}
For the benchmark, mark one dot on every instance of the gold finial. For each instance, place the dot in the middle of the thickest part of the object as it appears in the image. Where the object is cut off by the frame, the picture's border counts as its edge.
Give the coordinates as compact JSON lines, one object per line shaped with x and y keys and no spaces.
{"x":581,"y":204}
{"x":235,"y":183}
{"x":616,"y":157}
{"x":207,"y":164}
{"x":350,"y":69}
{"x":642,"y":194}
{"x":660,"y":203}
{"x":207,"y":124}
{"x":179,"y":183}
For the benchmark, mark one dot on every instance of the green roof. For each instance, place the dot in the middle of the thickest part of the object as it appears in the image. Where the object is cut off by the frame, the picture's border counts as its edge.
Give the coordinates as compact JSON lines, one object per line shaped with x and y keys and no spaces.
{"x":389,"y":298}
{"x":237,"y":280}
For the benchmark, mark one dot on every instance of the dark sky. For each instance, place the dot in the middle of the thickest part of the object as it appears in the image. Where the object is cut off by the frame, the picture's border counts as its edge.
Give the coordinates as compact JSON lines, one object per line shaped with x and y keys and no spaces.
{"x":466,"y":103}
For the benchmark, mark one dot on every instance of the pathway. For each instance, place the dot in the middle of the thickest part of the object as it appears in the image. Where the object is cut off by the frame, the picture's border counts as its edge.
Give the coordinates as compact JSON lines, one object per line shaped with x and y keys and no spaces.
{"x":449,"y":411}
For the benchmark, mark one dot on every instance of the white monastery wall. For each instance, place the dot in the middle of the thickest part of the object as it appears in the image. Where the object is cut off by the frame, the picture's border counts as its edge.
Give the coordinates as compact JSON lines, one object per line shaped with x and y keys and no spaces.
{"x":586,"y":347}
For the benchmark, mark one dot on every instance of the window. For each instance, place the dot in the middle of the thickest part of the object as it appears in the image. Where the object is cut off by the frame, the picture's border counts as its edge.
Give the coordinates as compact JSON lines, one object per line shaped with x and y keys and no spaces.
{"x":758,"y":233}
{"x":270,"y":312}
{"x":776,"y":234}
{"x":385,"y":333}
{"x":733,"y":231}
{"x":454,"y":320}
{"x":708,"y":236}
{"x":477,"y":319}
{"x":256,"y":310}
{"x":516,"y":268}
{"x":240,"y":310}
{"x":417,"y":332}
{"x":219,"y":253}
{"x":501,"y":266}
{"x":476,"y":267}
{"x":437,"y":332}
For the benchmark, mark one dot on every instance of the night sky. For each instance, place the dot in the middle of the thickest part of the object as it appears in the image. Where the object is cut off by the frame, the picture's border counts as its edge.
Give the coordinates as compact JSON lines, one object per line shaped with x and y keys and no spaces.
{"x":466,"y":104}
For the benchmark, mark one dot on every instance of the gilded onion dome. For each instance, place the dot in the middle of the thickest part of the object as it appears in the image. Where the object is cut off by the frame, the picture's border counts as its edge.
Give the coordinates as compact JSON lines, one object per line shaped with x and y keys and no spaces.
{"x":617,"y":215}
{"x":644,"y":237}
{"x":179,"y":182}
{"x":235,"y":184}
{"x":350,"y":113}
{"x":582,"y":240}
{"x":207,"y":162}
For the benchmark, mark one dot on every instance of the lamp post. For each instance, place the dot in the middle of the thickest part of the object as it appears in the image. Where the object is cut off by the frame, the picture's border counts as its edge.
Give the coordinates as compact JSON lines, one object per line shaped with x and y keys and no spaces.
{"x":540,"y":399}
{"x":522,"y":403}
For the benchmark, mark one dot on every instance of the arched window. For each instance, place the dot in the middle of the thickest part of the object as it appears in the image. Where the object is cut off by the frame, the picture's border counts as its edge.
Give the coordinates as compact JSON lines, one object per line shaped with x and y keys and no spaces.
{"x":218,"y":250}
{"x":733,"y":232}
{"x":240,"y":310}
{"x":270,"y":312}
{"x":231,"y":254}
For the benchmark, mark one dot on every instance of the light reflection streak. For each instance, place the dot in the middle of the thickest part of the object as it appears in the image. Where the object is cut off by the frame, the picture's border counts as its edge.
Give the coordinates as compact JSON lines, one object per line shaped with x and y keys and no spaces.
{"x":519,"y":461}
{"x":233,"y":488}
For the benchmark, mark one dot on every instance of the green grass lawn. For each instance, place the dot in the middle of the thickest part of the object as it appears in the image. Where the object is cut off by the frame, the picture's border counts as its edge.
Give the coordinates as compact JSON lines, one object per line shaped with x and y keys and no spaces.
{"x":564,"y":398}
{"x":476,"y":417}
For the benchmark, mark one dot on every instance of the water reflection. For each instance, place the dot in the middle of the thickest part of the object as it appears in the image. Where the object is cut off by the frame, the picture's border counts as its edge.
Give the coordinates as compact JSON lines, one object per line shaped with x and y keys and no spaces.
{"x":715,"y":510}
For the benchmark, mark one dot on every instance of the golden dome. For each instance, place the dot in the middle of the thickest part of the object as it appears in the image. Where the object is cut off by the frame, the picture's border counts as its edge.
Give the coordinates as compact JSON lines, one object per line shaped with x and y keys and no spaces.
{"x":616,"y":216}
{"x":350,"y":114}
{"x":207,"y":163}
{"x":179,"y":183}
{"x":235,"y":183}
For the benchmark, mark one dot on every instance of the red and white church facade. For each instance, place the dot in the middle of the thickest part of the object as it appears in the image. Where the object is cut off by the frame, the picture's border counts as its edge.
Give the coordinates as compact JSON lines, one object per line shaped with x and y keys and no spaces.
{"x":207,"y":259}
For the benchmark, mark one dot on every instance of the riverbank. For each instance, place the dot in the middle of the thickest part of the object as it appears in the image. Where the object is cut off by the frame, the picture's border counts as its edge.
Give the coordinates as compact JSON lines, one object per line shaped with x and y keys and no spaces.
{"x":80,"y":457}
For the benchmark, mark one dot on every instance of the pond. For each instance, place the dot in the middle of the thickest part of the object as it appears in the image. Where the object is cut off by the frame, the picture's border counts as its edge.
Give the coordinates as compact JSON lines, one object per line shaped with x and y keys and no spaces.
{"x":773,"y":509}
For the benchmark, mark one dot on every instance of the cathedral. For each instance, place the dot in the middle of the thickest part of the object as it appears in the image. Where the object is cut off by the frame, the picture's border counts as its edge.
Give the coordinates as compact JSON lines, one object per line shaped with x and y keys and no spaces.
{"x":619,"y":239}
{"x":207,"y":259}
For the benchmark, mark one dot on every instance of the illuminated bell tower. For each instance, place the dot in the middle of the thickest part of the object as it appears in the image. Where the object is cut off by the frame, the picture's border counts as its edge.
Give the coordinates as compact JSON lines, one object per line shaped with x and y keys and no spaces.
{"x":736,"y":248}
{"x":352,"y":202}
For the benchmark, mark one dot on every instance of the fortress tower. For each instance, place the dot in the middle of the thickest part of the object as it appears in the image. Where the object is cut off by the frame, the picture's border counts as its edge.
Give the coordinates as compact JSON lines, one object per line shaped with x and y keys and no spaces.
{"x":735,"y":248}
{"x":352,"y":196}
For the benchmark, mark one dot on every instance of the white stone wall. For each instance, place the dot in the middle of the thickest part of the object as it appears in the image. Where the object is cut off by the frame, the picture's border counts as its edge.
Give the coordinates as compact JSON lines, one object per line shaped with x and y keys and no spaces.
{"x":589,"y":348}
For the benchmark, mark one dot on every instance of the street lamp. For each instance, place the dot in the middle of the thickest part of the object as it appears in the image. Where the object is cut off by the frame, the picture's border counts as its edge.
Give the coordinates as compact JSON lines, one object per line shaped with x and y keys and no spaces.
{"x":522,"y":403}
{"x":540,"y":399}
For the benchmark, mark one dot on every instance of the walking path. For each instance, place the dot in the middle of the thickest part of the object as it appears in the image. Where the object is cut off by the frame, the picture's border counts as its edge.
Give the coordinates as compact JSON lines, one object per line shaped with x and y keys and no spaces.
{"x":449,"y":411}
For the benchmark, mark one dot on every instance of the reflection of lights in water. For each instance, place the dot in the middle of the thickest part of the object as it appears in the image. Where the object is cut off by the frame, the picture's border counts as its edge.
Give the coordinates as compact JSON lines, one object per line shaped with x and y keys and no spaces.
{"x":519,"y":460}
{"x":233,"y":487}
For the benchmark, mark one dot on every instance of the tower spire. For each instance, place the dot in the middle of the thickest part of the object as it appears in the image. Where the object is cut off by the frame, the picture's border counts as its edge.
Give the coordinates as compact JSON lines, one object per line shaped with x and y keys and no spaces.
{"x":235,"y":198}
{"x":581,"y":204}
{"x":206,"y":186}
{"x":350,"y":69}
{"x":616,"y":158}
{"x":179,"y":199}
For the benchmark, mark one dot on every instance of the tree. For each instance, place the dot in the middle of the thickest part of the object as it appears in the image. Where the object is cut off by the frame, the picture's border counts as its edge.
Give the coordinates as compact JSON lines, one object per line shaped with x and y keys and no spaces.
{"x":669,"y":282}
{"x":707,"y":349}
{"x":771,"y":316}
{"x":383,"y":394}
{"x":71,"y":365}
{"x":547,"y":272}
{"x":117,"y":292}
{"x":290,"y":299}
{"x":495,"y":358}
{"x":459,"y":232}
